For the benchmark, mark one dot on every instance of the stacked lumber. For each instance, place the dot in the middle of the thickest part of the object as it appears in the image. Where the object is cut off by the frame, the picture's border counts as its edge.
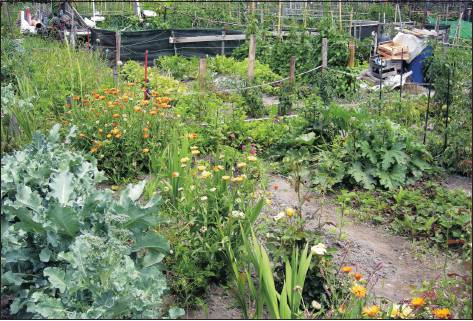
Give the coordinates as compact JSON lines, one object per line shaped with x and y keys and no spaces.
{"x":391,"y":51}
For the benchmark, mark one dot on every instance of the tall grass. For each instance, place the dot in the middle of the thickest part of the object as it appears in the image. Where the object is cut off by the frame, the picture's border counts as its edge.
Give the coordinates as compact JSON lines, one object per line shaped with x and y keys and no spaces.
{"x":45,"y":72}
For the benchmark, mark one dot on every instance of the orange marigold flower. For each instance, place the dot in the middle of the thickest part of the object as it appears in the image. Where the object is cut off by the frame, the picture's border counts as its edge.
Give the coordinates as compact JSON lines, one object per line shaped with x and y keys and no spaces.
{"x":417,"y":302}
{"x":125,"y":98}
{"x":358,"y":276}
{"x":443,"y":313}
{"x":347,"y":269}
{"x":342,"y":308}
{"x":153,"y":112}
{"x":192,"y":136}
{"x":145,"y":129}
{"x":359,"y":291}
{"x":101,"y":97}
{"x":371,"y":311}
{"x":145,"y":135}
{"x":137,"y":109}
{"x":175,"y":174}
{"x":118,"y":135}
{"x":116,"y":115}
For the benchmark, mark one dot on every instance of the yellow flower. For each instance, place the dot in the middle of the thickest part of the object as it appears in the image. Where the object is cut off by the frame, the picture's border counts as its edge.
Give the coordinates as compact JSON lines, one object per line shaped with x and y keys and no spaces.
{"x":115,"y":131}
{"x":238,"y":179}
{"x":109,"y":135}
{"x":290,"y":212}
{"x":118,"y":135}
{"x":201,"y":168}
{"x":443,"y":313}
{"x":217,"y":168}
{"x":241,"y":165}
{"x":93,"y":150}
{"x":194,"y":147}
{"x":116,"y":116}
{"x":195,"y":152}
{"x":252,"y":158}
{"x":371,"y":311}
{"x":145,"y":150}
{"x":346,"y":269}
{"x":226,"y":177}
{"x":359,"y":291}
{"x":205,"y":174}
{"x":184,"y":160}
{"x":402,"y":312}
{"x":100,"y":130}
{"x":417,"y":302}
{"x":175,"y":174}
{"x":137,"y":109}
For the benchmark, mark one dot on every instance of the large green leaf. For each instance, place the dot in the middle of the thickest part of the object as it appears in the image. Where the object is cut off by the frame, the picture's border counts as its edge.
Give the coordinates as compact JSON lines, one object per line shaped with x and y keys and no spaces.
{"x":392,"y":156}
{"x":360,"y":176}
{"x":151,"y":241}
{"x":12,"y":278}
{"x":26,"y":221}
{"x":61,"y":186}
{"x":65,"y":219}
{"x":56,"y":277}
{"x":28,"y":198}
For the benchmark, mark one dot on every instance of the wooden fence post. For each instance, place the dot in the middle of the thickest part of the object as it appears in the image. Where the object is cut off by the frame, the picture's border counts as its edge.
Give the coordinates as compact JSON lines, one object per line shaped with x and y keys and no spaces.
{"x":224,"y":31}
{"x":279,"y":18}
{"x":202,"y":72}
{"x":146,"y":76}
{"x":351,"y":56}
{"x":252,"y":49}
{"x":292,"y":70}
{"x":324,"y":52}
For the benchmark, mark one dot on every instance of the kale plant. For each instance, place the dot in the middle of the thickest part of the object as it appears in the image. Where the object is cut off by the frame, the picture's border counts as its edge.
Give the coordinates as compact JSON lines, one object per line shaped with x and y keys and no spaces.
{"x":70,"y":250}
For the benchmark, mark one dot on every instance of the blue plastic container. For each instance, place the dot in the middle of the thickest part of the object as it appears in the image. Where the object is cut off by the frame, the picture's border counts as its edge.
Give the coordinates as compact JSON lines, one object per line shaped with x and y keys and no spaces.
{"x":417,"y":65}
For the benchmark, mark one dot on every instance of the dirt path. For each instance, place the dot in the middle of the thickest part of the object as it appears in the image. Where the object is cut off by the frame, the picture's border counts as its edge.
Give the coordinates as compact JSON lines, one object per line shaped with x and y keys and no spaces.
{"x":220,"y":306}
{"x":367,"y":247}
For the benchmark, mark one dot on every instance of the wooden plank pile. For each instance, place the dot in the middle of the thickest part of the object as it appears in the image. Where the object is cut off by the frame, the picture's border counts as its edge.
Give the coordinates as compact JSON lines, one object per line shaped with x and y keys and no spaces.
{"x":391,"y":51}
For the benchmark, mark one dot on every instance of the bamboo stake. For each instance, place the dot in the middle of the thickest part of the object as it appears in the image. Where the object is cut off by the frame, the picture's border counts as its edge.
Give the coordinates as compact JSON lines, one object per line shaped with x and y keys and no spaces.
{"x":340,"y":13}
{"x":279,"y":17}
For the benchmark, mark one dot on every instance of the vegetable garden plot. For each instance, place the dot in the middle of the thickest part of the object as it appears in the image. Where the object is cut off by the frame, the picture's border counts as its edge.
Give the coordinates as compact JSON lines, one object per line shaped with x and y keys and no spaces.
{"x":160,"y":193}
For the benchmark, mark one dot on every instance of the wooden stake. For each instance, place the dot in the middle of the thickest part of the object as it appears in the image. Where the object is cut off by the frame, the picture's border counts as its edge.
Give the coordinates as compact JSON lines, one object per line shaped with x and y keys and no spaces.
{"x":305,"y":14}
{"x":279,"y":18}
{"x":340,"y":13}
{"x":324,"y":52}
{"x":117,"y":47}
{"x":202,"y":72}
{"x":146,"y":75}
{"x":252,"y":49}
{"x":351,"y":22}
{"x":292,"y":69}
{"x":351,"y":56}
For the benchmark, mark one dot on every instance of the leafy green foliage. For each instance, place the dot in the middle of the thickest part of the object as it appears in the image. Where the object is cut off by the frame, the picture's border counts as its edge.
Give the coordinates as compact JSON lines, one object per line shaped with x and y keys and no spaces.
{"x":70,"y":250}
{"x":425,"y":211}
{"x":368,"y":152}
